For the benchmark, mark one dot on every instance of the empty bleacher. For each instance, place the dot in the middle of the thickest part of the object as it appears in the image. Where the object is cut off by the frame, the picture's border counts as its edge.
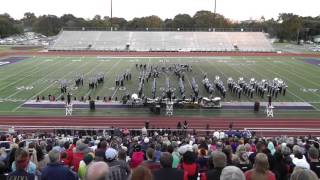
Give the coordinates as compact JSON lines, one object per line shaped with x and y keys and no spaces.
{"x":162,"y":41}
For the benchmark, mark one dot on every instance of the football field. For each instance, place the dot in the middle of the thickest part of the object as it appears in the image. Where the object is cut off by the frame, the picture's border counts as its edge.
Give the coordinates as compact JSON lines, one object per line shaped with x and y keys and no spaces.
{"x":25,"y":78}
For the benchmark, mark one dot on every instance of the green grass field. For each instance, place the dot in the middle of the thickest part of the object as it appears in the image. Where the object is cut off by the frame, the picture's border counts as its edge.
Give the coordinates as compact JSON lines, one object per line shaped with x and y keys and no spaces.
{"x":39,"y":76}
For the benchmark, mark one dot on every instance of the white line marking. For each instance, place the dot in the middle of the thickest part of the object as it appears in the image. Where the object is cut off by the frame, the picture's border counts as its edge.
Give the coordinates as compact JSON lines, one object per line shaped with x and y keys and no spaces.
{"x":15,"y":109}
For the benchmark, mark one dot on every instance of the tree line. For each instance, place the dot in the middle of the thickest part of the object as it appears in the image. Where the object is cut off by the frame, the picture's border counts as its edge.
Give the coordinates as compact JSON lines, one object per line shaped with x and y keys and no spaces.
{"x":288,"y":26}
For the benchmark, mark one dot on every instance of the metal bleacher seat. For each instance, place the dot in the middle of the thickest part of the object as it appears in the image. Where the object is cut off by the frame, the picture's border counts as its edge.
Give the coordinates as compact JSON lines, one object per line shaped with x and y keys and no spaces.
{"x":162,"y":41}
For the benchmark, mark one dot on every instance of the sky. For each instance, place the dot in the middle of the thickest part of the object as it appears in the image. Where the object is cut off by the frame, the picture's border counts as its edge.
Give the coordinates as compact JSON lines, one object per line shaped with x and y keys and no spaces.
{"x":128,"y":9}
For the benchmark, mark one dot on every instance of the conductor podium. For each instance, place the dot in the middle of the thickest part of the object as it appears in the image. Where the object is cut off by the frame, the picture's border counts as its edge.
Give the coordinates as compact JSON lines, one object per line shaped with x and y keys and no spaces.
{"x":270,"y":111}
{"x":169,"y":108}
{"x":69,"y":109}
{"x":269,"y":107}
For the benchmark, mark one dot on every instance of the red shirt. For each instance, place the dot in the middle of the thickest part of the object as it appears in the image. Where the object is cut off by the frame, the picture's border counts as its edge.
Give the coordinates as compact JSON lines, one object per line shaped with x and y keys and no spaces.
{"x":69,"y":159}
{"x":270,"y":175}
{"x":77,"y":157}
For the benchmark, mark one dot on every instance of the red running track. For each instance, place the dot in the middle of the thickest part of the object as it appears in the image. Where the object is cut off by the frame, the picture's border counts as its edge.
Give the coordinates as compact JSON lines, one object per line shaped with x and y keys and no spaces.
{"x":168,"y":122}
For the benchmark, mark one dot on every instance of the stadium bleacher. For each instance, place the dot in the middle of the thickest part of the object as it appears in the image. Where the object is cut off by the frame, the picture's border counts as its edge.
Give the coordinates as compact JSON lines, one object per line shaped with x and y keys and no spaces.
{"x":162,"y":41}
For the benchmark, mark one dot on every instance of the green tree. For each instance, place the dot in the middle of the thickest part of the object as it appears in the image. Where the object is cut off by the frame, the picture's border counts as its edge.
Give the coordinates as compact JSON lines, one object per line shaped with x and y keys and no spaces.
{"x":48,"y":25}
{"x":168,"y":24}
{"x":290,"y":26}
{"x":150,"y":22}
{"x":8,"y":26}
{"x":28,"y":20}
{"x":182,"y":21}
{"x":119,"y":23}
{"x":70,"y":21}
{"x":207,"y":19}
{"x":203,"y":19}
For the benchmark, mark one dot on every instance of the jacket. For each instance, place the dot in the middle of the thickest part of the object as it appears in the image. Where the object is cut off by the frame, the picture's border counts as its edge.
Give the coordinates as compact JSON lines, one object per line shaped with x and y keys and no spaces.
{"x":55,"y":171}
{"x":168,"y":174}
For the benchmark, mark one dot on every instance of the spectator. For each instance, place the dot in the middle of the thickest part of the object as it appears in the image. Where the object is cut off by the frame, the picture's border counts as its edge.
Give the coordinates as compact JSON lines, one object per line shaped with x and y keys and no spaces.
{"x":287,"y":159}
{"x":259,"y":149}
{"x":78,"y":155}
{"x":202,"y":160}
{"x":260,"y":169}
{"x":3,"y":154}
{"x":150,"y":162}
{"x":230,"y":156}
{"x":137,"y":156}
{"x":30,"y":168}
{"x":97,"y":171}
{"x":11,"y":156}
{"x":122,"y":155}
{"x":84,"y":164}
{"x":3,"y":169}
{"x":158,"y":152}
{"x":189,"y":165}
{"x":219,"y":160}
{"x":41,"y":158}
{"x":167,"y":172}
{"x":145,"y":144}
{"x":303,"y":174}
{"x":99,"y":156}
{"x":244,"y":163}
{"x":21,"y":163}
{"x":172,"y":149}
{"x":69,"y":154}
{"x":118,"y":168}
{"x":280,"y":168}
{"x":55,"y":169}
{"x":232,"y":173}
{"x":298,"y":159}
{"x":271,"y":148}
{"x":141,"y":173}
{"x":313,"y":154}
{"x":248,"y":149}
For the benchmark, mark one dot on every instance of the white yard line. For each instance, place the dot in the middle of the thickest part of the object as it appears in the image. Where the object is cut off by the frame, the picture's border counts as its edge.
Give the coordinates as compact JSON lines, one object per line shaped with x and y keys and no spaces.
{"x":20,"y":79}
{"x":288,"y":89}
{"x":295,"y":74}
{"x":43,"y":90}
{"x":282,"y":77}
{"x":109,"y":70}
{"x":88,"y":93}
{"x":116,"y":90}
{"x":114,"y":93}
{"x":35,"y":67}
{"x":222,"y":73}
{"x":17,"y":92}
{"x":301,"y":63}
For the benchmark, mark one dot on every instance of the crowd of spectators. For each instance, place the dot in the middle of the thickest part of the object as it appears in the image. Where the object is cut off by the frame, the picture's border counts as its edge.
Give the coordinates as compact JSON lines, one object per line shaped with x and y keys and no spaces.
{"x":151,"y":155}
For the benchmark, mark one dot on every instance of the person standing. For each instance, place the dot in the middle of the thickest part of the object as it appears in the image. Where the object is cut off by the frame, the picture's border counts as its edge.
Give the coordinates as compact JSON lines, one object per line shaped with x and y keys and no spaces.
{"x":56,"y":170}
{"x":167,"y":172}
{"x":69,"y":98}
{"x":21,"y":163}
{"x":261,"y":169}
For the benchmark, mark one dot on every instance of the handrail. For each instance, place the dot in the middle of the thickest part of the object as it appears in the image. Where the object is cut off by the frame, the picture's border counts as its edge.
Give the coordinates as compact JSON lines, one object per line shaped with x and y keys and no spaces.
{"x":108,"y":128}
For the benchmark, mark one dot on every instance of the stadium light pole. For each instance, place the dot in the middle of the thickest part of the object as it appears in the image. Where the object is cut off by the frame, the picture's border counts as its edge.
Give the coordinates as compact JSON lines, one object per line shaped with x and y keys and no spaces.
{"x":215,"y":7}
{"x":214,"y":13}
{"x":111,"y":14}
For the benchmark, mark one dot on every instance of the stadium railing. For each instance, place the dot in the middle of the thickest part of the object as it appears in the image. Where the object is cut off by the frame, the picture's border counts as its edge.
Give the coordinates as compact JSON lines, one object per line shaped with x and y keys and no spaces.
{"x":163,"y":29}
{"x":95,"y":129}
